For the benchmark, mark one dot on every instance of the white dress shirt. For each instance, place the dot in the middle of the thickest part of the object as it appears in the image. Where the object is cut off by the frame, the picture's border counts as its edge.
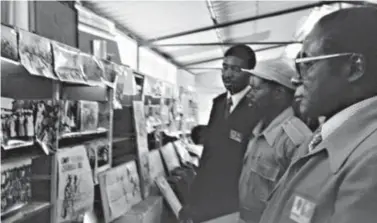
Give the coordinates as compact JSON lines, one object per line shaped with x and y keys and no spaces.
{"x":236,"y":98}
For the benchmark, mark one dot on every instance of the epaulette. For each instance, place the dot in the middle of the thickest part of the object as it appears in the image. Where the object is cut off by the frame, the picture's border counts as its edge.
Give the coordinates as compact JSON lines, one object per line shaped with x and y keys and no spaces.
{"x":296,"y":130}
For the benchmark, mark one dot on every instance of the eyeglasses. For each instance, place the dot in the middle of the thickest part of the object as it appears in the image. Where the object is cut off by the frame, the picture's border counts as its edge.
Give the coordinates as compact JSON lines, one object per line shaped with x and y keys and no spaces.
{"x":305,"y":63}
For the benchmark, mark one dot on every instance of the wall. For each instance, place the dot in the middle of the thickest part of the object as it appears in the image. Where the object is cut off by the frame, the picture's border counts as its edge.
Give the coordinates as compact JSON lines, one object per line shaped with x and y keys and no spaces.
{"x":208,"y":86}
{"x":156,"y":66}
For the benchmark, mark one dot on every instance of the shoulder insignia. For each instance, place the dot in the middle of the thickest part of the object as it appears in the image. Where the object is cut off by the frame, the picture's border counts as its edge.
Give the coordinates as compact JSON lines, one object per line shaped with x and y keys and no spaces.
{"x":296,"y":130}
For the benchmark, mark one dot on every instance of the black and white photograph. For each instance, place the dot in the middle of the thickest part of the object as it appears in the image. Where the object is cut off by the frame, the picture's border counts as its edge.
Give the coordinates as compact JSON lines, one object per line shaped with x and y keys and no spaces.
{"x":9,"y":44}
{"x":68,"y":64}
{"x":89,"y":112}
{"x":36,"y":54}
{"x":189,"y":111}
{"x":15,"y":184}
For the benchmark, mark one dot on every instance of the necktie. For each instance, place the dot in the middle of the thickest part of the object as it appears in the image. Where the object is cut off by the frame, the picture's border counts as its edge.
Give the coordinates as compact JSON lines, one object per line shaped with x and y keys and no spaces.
{"x":317,"y":139}
{"x":228,"y":105}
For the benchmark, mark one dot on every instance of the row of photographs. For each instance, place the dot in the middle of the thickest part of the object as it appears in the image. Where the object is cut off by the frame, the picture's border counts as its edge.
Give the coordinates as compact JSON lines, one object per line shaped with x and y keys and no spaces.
{"x":167,"y":107}
{"x":43,"y":57}
{"x":27,"y":120}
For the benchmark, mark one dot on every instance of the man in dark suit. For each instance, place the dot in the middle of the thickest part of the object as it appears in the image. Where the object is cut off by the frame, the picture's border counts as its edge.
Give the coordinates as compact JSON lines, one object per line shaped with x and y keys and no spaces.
{"x":334,"y":177}
{"x":214,"y":192}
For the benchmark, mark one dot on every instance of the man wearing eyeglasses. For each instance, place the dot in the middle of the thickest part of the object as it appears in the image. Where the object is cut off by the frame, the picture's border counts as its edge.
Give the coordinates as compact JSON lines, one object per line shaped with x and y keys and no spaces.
{"x":214,"y":192}
{"x":334,"y":177}
{"x":277,"y":136}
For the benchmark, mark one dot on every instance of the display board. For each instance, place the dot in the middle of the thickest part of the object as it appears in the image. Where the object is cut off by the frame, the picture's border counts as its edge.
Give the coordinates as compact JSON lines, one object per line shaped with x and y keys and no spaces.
{"x":120,"y":189}
{"x":170,"y":157}
{"x":75,"y":187}
{"x":169,"y":195}
{"x":142,"y":146}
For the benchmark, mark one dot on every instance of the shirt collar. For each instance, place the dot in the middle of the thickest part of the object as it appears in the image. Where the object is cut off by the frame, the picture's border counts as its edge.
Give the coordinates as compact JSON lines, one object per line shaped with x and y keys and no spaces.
{"x":338,"y":119}
{"x":346,"y":129}
{"x":273,"y":129}
{"x":236,"y":98}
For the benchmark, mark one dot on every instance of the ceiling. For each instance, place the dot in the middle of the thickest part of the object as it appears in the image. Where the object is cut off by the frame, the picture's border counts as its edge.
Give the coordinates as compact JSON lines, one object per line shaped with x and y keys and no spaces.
{"x":195,"y":34}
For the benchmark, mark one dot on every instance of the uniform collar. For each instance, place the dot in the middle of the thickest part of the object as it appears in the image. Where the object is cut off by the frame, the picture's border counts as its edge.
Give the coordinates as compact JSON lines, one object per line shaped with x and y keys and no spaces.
{"x":273,"y":129}
{"x":347,"y":129}
{"x":338,"y":119}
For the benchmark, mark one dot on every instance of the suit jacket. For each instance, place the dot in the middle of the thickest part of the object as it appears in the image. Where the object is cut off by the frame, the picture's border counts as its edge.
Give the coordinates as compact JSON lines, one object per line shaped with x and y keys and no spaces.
{"x":215,"y":189}
{"x":334,"y":183}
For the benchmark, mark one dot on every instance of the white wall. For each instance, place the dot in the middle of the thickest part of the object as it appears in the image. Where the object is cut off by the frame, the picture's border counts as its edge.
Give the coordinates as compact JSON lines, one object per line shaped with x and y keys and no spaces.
{"x":156,"y":66}
{"x":208,"y":85}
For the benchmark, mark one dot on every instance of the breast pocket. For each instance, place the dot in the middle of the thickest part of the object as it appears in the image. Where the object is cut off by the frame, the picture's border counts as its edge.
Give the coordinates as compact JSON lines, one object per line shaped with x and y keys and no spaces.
{"x":264,"y":179}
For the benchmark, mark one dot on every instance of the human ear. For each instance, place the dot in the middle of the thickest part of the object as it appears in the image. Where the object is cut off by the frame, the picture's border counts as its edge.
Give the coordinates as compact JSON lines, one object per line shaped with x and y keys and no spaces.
{"x":357,"y":68}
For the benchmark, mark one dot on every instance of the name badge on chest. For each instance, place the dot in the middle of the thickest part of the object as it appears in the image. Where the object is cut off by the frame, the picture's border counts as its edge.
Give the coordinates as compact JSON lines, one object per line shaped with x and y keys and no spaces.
{"x":235,"y":135}
{"x":302,"y":210}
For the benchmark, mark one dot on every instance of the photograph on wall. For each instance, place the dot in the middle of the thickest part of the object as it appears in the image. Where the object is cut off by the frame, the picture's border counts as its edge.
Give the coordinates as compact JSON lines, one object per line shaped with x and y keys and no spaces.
{"x":9,"y":47}
{"x":89,"y":111}
{"x":15,"y":184}
{"x":75,"y":184}
{"x":92,"y":155}
{"x":68,"y":63}
{"x":99,"y":156}
{"x":104,"y":113}
{"x":46,"y":126}
{"x":152,"y":91}
{"x":17,"y":123}
{"x":36,"y":54}
{"x":28,"y":121}
{"x":111,"y":71}
{"x":92,"y":68}
{"x":102,"y":154}
{"x":142,"y":146}
{"x":120,"y":85}
{"x":69,"y":117}
{"x":120,"y":190}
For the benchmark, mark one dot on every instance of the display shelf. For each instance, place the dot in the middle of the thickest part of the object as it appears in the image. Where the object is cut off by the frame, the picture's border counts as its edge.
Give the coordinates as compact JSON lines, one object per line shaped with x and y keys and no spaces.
{"x":72,"y":135}
{"x":31,"y":151}
{"x":17,"y":82}
{"x":27,"y":211}
{"x":122,"y":139}
{"x":17,"y":144}
{"x":72,"y":91}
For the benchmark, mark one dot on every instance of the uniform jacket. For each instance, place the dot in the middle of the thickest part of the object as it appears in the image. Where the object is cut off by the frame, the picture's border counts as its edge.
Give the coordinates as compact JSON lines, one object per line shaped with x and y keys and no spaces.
{"x":268,"y":156}
{"x":215,"y":189}
{"x":334,"y":183}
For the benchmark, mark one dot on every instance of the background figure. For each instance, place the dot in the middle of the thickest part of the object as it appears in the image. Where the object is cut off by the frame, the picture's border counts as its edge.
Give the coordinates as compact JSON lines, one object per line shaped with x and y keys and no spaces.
{"x":214,"y":191}
{"x":198,"y":134}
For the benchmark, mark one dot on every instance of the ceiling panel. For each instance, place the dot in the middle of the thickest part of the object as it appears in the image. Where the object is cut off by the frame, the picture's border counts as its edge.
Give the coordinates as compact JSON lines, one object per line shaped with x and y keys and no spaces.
{"x":226,"y":11}
{"x":280,"y":28}
{"x":151,"y":19}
